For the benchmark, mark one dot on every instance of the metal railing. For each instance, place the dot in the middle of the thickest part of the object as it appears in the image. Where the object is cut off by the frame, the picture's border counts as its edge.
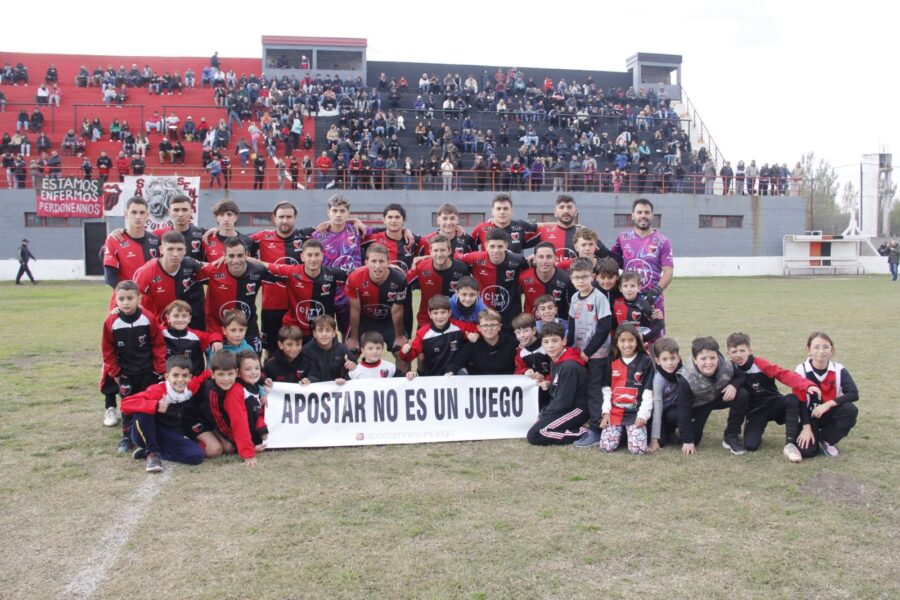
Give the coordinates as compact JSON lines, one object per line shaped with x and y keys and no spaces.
{"x":459,"y":180}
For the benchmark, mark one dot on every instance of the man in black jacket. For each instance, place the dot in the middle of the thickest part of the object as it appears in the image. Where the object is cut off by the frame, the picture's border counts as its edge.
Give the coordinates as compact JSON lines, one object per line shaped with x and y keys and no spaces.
{"x":24,"y":255}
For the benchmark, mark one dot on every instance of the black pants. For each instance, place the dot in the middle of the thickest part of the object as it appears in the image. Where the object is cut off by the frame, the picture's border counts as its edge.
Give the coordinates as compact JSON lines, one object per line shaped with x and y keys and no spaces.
{"x":596,"y":369}
{"x":668,"y":426}
{"x":832,"y":427}
{"x":557,"y":429}
{"x":698,"y":415}
{"x":128,"y":384}
{"x":271,"y":323}
{"x":24,"y":270}
{"x":766,"y":409}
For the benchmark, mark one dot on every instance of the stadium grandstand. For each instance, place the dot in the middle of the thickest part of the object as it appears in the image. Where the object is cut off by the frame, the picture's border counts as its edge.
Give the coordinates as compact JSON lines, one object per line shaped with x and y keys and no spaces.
{"x":313,"y":115}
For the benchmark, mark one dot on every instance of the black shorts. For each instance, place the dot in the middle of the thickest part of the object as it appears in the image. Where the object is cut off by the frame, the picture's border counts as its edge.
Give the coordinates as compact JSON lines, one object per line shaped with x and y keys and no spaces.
{"x":192,"y":428}
{"x":384,"y":326}
{"x":271,"y":323}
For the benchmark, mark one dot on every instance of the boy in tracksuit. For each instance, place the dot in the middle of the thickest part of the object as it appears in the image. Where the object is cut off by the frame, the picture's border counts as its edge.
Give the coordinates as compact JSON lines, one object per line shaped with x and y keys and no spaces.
{"x":562,"y":421}
{"x":286,"y":364}
{"x":766,"y":402}
{"x":181,"y":340}
{"x":133,"y":354}
{"x":442,"y":344}
{"x":531,"y":360}
{"x":156,"y":417}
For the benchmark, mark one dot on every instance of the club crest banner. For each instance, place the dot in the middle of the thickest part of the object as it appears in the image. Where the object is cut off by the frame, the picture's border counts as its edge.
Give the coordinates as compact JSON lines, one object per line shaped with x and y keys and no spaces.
{"x":157,"y":190}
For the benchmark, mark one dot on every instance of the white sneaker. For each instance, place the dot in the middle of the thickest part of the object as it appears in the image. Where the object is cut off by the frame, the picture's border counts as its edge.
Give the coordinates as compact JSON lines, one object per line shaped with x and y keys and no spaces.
{"x":110,"y":417}
{"x":828,"y":450}
{"x":792,"y":453}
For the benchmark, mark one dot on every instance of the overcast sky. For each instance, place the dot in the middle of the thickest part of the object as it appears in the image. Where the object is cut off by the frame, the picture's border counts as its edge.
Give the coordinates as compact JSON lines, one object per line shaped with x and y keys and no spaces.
{"x":772,"y":80}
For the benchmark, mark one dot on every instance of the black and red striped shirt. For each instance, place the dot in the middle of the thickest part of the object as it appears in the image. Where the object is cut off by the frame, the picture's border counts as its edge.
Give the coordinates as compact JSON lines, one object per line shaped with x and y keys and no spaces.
{"x":376,"y":299}
{"x":433,"y":282}
{"x":308,"y":297}
{"x":522,"y":234}
{"x":159,"y":289}
{"x":226,"y":292}
{"x":498,"y":284}
{"x":214,"y":248}
{"x":400,"y":254}
{"x":559,"y":286}
{"x":459,"y":244}
{"x":274,"y":249}
{"x":193,"y":238}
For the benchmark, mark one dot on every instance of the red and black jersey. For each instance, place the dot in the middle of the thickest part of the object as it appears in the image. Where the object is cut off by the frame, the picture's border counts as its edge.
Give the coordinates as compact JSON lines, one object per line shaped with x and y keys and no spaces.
{"x":625,"y":311}
{"x":562,"y":238}
{"x":459,"y":244}
{"x":256,"y":412}
{"x":433,"y":282}
{"x":133,"y":345}
{"x":274,"y":249}
{"x":130,"y":254}
{"x":400,"y":254}
{"x":498,"y":284}
{"x":628,"y":382}
{"x":533,"y":357}
{"x":522,"y":234}
{"x":441,"y":351}
{"x":214,"y":248}
{"x":147,"y":402}
{"x":308,"y":297}
{"x":225,"y":412}
{"x":158,"y":288}
{"x":559,"y":286}
{"x":226,"y":292}
{"x":191,"y":344}
{"x":376,"y":299}
{"x":193,"y":237}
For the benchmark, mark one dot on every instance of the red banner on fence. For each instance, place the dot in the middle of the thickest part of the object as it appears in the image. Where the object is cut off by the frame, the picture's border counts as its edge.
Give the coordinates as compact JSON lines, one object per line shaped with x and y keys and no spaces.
{"x":69,"y":197}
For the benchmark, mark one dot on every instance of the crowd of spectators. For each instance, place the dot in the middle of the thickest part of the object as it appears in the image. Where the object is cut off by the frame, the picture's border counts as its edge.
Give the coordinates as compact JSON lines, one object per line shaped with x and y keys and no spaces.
{"x":500,"y":131}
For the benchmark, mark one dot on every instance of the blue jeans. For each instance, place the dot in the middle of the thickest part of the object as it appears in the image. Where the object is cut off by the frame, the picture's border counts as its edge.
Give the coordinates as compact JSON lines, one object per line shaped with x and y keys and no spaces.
{"x":893,"y":267}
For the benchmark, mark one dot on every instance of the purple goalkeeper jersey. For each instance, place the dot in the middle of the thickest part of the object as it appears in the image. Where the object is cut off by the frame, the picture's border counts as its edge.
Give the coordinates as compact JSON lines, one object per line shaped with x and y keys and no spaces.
{"x":646,"y":255}
{"x":342,"y":251}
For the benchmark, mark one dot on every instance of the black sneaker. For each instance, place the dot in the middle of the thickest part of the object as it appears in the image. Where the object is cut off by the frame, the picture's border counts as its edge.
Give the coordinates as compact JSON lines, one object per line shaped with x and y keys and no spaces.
{"x":139,"y":453}
{"x":734,"y":444}
{"x":154,"y":463}
{"x":124,"y":445}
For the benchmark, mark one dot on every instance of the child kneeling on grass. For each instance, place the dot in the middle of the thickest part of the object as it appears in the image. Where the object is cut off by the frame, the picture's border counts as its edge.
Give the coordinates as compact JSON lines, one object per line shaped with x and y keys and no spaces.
{"x":216,"y":417}
{"x":156,"y":417}
{"x":250,"y":376}
{"x":828,"y":418}
{"x":628,"y":393}
{"x":562,"y":422}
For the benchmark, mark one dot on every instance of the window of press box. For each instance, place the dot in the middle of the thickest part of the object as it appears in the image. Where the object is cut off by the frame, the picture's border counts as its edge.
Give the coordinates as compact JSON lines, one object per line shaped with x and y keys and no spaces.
{"x":623,"y":221}
{"x":466,"y":219}
{"x":33,"y":220}
{"x":721,"y":221}
{"x":254,"y":219}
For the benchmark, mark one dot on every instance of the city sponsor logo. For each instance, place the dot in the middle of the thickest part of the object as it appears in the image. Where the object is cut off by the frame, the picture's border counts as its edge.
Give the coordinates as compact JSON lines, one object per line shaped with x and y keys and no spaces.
{"x":307,"y":311}
{"x":377,"y":311}
{"x":496,"y":297}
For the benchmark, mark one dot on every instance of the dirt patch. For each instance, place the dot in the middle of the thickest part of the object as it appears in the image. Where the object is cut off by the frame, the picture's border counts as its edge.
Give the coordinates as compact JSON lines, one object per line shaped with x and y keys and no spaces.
{"x":838,"y":488}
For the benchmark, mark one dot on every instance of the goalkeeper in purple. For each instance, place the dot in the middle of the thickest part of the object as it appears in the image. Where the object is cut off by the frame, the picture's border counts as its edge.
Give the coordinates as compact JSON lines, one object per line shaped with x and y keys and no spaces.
{"x":647,"y":251}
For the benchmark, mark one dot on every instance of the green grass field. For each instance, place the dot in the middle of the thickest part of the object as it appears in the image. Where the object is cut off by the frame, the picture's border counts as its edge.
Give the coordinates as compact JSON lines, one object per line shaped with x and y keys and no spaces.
{"x":469,"y":520}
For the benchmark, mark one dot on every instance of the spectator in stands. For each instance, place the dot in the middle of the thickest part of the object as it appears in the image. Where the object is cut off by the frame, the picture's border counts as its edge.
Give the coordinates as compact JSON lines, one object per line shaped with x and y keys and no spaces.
{"x":166,"y":151}
{"x":104,"y":164}
{"x":259,"y":171}
{"x":68,"y":143}
{"x":115,"y":131}
{"x":739,"y":176}
{"x":709,"y":176}
{"x":123,"y":166}
{"x":154,"y":123}
{"x":727,"y":174}
{"x":42,"y":143}
{"x":172,"y":126}
{"x":189,"y":78}
{"x":189,"y":130}
{"x":797,"y":177}
{"x":764,"y":174}
{"x":141,"y":145}
{"x":138,"y":165}
{"x":178,"y":152}
{"x":96,"y":130}
{"x":24,"y":144}
{"x":752,"y":174}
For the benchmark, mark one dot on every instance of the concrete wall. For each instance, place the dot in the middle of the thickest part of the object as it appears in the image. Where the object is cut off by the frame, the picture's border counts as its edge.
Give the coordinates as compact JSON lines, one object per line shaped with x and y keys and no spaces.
{"x":765,"y":221}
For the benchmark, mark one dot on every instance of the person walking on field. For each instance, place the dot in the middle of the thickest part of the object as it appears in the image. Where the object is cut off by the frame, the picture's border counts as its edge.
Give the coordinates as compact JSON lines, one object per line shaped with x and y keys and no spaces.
{"x":24,"y":255}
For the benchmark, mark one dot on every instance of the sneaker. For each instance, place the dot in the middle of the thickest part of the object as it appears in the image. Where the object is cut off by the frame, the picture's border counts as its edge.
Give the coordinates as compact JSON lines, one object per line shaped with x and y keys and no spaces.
{"x":139,"y":453}
{"x":124,"y":445}
{"x":734,"y":444}
{"x":792,"y":453}
{"x":154,"y":464}
{"x":589,"y":439}
{"x":110,"y":417}
{"x":828,"y":450}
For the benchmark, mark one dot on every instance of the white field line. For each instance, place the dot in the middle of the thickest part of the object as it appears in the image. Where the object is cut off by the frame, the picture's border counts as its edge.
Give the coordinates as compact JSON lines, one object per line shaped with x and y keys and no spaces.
{"x":97,"y":566}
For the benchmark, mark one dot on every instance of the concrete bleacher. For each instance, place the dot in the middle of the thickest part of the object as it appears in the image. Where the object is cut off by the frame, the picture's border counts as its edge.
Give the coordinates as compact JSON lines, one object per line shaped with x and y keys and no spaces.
{"x":79,"y":103}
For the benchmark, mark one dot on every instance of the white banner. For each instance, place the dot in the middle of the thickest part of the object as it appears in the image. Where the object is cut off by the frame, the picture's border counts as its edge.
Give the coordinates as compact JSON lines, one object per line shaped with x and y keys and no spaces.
{"x":367,"y":412}
{"x":157,"y":190}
